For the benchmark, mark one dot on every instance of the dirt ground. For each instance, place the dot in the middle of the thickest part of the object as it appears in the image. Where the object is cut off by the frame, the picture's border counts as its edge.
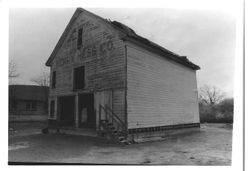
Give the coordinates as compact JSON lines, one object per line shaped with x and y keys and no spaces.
{"x":212,"y":145}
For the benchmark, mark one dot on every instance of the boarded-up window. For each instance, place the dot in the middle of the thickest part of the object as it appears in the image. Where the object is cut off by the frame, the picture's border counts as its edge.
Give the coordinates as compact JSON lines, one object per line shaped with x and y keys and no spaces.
{"x":79,"y":38}
{"x":52,"y":109}
{"x":79,"y":78}
{"x":53,"y":80}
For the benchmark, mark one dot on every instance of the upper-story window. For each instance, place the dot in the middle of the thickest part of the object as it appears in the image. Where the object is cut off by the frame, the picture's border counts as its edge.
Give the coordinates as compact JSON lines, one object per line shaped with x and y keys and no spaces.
{"x":79,"y":38}
{"x":53,"y":84}
{"x":79,"y":78}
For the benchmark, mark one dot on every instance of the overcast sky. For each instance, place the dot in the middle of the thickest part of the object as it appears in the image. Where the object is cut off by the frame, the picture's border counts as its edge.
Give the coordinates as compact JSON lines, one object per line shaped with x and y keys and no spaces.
{"x":206,"y":37}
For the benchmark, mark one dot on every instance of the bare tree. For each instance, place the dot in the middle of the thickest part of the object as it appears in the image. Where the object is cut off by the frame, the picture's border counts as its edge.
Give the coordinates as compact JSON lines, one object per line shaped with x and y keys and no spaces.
{"x":13,"y":70}
{"x":210,"y":95}
{"x":43,"y":79}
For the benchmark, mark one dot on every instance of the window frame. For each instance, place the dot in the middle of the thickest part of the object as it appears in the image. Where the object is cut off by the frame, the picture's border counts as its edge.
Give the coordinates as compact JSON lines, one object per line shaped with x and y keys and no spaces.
{"x":75,"y":87}
{"x":53,"y":81}
{"x":79,"y":38}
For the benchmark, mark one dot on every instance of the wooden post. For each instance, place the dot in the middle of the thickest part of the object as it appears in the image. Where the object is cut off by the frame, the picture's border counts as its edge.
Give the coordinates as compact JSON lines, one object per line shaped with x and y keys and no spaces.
{"x":105,"y":113}
{"x":99,"y":115}
{"x":56,"y":113}
{"x":76,"y":111}
{"x":112,"y":116}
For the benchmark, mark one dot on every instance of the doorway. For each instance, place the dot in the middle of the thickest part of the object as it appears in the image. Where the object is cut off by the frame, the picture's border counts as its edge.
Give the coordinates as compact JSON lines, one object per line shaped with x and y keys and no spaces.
{"x":87,"y":117}
{"x":67,"y":111}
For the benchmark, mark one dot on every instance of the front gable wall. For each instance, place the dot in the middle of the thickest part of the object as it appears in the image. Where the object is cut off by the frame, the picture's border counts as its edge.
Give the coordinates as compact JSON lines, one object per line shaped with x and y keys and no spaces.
{"x":102,"y":54}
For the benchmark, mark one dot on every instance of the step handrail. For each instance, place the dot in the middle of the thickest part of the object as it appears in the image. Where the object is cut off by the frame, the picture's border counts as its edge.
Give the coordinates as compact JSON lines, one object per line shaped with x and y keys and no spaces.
{"x":111,"y":111}
{"x":112,"y":115}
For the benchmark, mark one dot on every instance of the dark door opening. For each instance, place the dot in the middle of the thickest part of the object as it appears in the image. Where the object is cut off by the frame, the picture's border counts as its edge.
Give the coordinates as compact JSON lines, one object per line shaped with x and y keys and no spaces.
{"x":67,"y":111}
{"x":87,"y":117}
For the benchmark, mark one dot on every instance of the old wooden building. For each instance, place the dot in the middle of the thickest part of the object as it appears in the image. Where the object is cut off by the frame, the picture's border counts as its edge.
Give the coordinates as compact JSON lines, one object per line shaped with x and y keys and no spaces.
{"x":106,"y":77}
{"x":28,"y":103}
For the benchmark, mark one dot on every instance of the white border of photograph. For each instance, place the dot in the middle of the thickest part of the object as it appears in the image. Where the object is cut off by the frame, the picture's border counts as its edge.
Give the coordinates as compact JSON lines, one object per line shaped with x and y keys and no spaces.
{"x":233,"y":6}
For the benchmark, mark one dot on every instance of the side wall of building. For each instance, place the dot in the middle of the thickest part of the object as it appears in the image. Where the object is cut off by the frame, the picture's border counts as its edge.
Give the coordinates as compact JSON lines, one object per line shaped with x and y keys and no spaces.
{"x":20,"y":113}
{"x":160,"y":92}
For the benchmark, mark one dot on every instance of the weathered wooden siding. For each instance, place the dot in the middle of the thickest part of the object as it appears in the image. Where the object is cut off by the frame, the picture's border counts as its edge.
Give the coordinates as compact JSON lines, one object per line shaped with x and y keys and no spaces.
{"x":160,"y":92}
{"x":115,"y":99}
{"x":119,"y":103}
{"x":102,"y":54}
{"x":102,"y":98}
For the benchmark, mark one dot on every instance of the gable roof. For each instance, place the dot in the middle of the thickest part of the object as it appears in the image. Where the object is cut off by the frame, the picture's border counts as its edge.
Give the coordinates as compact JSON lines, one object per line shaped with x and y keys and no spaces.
{"x":28,"y":92}
{"x":128,"y":34}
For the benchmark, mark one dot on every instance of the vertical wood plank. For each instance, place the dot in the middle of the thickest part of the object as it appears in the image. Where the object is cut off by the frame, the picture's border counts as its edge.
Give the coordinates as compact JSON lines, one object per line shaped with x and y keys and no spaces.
{"x":77,"y":111}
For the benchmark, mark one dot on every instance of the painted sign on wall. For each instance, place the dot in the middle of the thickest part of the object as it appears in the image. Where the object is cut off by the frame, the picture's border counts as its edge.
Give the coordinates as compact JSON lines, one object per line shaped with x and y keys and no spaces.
{"x":95,"y":50}
{"x":97,"y":43}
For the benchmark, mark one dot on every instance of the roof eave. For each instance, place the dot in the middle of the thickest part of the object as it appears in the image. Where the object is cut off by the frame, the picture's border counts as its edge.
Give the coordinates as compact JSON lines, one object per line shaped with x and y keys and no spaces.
{"x":167,"y":54}
{"x":64,"y":34}
{"x":162,"y":51}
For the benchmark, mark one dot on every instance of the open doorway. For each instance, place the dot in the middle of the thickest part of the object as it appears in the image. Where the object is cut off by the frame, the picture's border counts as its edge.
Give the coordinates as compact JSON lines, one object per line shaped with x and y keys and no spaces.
{"x":87,"y":117}
{"x":67,"y":111}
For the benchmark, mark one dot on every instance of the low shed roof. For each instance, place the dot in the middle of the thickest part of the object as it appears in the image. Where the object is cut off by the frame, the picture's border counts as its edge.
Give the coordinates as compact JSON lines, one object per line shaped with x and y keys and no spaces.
{"x":28,"y":92}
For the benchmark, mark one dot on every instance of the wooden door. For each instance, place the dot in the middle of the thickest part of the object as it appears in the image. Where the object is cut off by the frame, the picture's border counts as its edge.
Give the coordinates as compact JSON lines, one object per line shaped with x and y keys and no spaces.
{"x":102,"y":98}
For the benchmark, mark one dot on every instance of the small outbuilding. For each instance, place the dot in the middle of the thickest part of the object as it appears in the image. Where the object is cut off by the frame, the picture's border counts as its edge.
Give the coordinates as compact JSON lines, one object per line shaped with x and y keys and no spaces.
{"x":28,"y":103}
{"x":107,"y":78}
